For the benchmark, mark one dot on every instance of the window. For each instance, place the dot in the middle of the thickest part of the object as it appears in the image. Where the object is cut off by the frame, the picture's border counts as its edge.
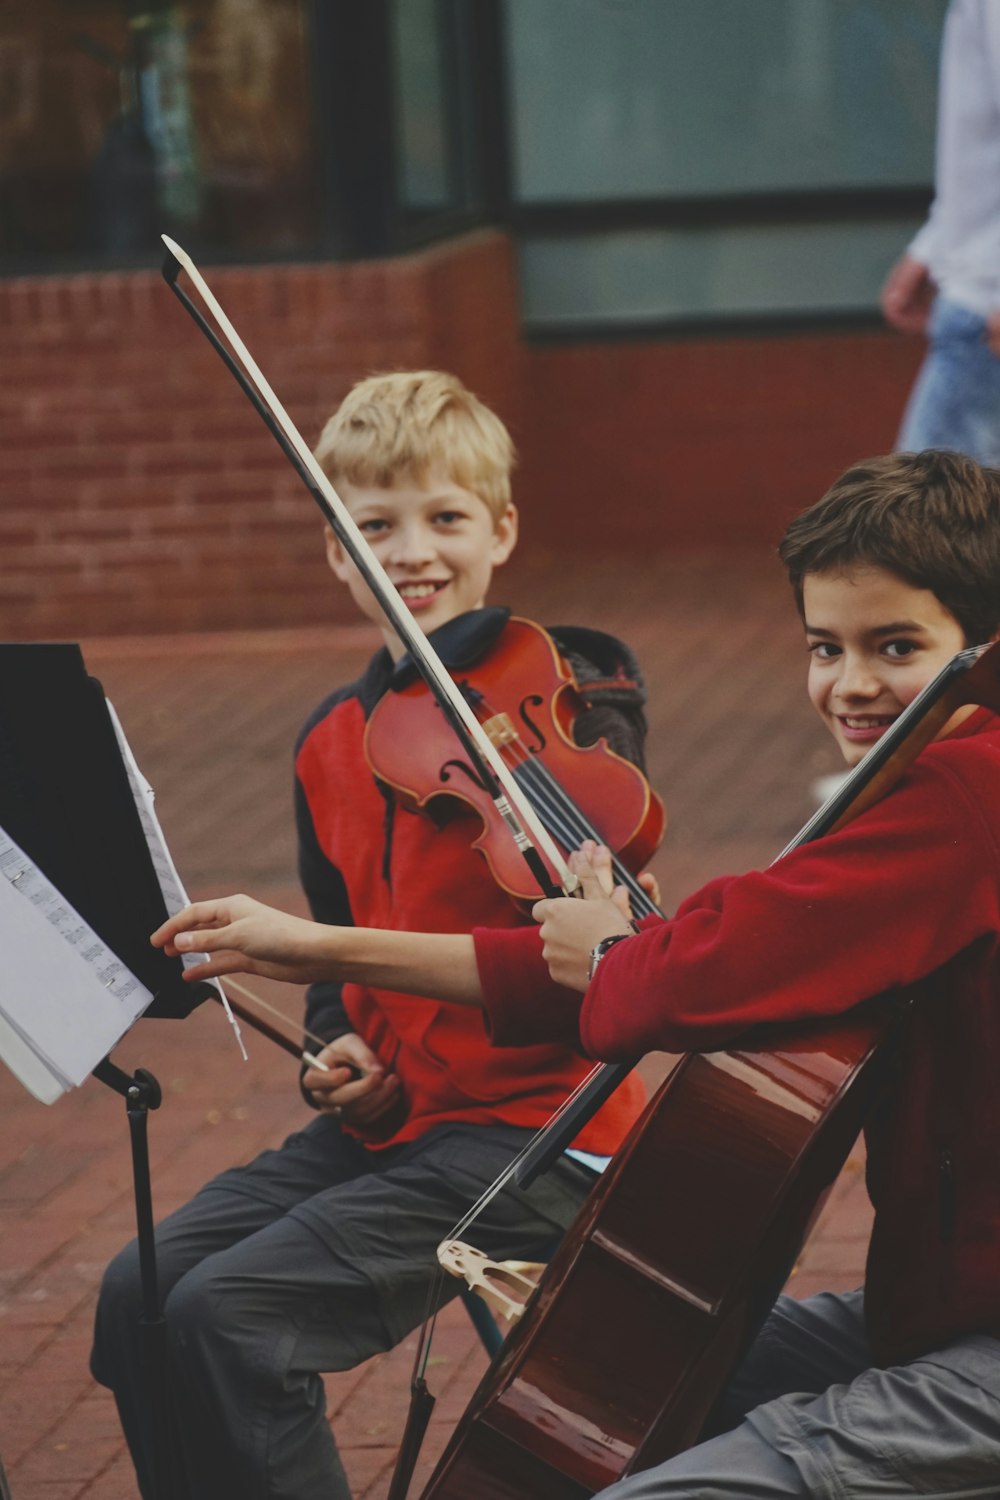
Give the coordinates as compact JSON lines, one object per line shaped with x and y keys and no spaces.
{"x":709,"y":159}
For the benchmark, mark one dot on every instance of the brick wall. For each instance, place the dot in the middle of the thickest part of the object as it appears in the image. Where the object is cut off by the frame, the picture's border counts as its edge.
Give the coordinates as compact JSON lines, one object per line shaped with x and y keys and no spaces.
{"x":706,"y":442}
{"x":139,"y":492}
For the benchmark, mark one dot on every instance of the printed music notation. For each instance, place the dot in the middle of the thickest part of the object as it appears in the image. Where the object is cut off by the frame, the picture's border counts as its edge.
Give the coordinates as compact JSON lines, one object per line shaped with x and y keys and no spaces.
{"x":65,"y":998}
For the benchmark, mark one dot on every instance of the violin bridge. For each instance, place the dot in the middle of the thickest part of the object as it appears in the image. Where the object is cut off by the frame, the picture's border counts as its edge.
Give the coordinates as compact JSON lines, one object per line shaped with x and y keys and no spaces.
{"x":499,"y":730}
{"x":504,"y":1286}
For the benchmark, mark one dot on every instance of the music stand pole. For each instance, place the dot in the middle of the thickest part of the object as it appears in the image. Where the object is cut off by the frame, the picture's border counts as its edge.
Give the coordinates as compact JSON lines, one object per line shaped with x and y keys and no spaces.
{"x":142,"y":1093}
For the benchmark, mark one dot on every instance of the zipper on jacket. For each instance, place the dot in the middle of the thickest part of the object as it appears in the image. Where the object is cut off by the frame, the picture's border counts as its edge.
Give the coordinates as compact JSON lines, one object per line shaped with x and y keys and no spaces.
{"x":388,"y":825}
{"x":946,"y":1193}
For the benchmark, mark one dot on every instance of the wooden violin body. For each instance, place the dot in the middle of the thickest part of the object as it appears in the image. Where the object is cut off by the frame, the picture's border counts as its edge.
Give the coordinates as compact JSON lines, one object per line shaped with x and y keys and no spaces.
{"x":672,"y":1265}
{"x":526,"y":700}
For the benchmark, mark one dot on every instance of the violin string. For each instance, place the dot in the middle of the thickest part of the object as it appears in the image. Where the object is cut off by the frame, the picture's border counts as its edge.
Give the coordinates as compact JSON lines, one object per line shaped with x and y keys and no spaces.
{"x":559,"y":813}
{"x":565,"y":820}
{"x":532,"y":772}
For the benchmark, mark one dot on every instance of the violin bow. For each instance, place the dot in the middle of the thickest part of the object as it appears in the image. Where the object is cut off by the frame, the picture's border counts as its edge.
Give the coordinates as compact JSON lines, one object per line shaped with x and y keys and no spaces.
{"x":519,"y":817}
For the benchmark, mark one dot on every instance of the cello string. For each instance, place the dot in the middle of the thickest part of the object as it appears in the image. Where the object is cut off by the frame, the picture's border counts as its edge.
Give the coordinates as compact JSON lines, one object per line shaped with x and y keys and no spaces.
{"x":508,"y":1172}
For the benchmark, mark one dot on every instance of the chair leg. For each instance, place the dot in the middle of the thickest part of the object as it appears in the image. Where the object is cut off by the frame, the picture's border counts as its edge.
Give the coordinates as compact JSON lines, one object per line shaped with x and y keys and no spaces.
{"x":483,"y":1321}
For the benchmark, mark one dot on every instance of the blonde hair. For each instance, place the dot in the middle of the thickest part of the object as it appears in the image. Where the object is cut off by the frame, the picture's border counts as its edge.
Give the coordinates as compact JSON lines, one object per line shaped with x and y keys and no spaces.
{"x":402,"y":426}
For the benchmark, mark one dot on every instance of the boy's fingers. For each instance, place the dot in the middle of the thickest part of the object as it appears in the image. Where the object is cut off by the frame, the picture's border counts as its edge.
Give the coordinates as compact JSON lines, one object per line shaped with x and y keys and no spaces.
{"x":205,"y":940}
{"x":591,"y":863}
{"x":199,"y":914}
{"x":621,"y":899}
{"x":214,"y":968}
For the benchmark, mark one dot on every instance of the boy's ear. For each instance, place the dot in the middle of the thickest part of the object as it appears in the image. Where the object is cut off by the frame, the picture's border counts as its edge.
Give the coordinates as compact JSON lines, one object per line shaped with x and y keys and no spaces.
{"x":336,"y":557}
{"x":504,"y":536}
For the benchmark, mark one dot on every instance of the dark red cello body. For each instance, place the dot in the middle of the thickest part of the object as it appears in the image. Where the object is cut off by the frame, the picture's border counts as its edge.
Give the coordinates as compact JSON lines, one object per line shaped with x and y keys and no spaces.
{"x":671,"y":1266}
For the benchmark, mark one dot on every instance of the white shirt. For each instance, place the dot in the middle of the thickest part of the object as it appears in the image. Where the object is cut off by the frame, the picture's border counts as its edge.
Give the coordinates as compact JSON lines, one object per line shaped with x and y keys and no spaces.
{"x":960,"y":243}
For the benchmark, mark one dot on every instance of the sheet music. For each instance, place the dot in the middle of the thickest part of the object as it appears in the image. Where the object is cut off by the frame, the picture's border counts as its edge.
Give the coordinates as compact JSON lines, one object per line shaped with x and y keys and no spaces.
{"x":174,"y":895}
{"x":63,"y":992}
{"x":36,"y":1075}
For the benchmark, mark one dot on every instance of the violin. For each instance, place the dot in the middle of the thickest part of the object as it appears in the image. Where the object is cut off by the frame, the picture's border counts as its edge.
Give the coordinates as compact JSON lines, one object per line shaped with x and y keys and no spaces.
{"x":526,"y":699}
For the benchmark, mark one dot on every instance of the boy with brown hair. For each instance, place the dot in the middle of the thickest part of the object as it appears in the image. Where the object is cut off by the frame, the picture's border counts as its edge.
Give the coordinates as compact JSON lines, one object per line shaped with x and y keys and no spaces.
{"x":322,"y":1253}
{"x":895,"y":1390}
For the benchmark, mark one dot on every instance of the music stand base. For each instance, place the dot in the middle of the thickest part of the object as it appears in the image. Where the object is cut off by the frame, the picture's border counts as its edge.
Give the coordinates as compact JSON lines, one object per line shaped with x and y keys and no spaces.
{"x":142,"y":1093}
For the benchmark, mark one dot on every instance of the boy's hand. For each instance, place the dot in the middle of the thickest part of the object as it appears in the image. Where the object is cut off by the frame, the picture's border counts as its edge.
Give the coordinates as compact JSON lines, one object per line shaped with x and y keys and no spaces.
{"x":360,"y":1102}
{"x":571,"y":928}
{"x":241,"y":935}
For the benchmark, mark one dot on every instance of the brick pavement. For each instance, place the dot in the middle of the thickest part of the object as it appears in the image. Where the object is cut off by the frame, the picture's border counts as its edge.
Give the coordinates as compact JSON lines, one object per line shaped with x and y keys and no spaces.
{"x":733,"y":748}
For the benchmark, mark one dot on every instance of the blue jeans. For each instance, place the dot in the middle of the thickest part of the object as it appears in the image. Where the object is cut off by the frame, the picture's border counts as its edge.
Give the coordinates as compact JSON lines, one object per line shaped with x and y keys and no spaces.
{"x":955,"y":401}
{"x":815,"y":1418}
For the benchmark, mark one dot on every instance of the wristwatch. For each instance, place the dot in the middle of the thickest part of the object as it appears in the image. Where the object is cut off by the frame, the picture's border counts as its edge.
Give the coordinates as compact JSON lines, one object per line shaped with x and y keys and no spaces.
{"x":599,"y":949}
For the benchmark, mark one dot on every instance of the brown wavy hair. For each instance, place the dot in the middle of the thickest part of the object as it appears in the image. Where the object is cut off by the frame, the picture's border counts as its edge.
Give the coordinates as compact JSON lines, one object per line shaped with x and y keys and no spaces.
{"x":932,"y":518}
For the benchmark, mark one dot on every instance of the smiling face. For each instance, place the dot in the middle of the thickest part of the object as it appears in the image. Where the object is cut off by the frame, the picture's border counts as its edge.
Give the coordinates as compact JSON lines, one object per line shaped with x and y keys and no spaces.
{"x":874,"y":642}
{"x":438,"y":543}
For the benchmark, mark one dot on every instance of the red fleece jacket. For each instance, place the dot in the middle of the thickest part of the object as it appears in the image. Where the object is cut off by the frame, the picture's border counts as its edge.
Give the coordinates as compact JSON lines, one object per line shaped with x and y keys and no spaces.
{"x":906,"y":896}
{"x":366,"y":860}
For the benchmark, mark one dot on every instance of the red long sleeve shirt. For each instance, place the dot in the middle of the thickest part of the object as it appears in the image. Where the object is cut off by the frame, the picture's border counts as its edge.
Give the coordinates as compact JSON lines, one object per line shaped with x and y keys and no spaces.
{"x":905,"y":897}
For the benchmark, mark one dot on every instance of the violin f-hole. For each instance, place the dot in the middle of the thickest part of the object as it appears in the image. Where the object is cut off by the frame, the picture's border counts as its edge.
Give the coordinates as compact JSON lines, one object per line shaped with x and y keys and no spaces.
{"x":466,"y":769}
{"x":535,"y":701}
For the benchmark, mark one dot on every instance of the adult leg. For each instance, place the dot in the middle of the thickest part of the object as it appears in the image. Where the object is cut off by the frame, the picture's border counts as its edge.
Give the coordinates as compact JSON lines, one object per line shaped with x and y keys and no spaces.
{"x":955,"y":401}
{"x":229,"y":1209}
{"x":930,"y":1428}
{"x":340,"y":1277}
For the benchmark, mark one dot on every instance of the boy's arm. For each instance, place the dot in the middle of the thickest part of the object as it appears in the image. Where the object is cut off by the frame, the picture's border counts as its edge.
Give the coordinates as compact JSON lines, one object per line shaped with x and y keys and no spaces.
{"x":241,"y":935}
{"x":878,"y":906}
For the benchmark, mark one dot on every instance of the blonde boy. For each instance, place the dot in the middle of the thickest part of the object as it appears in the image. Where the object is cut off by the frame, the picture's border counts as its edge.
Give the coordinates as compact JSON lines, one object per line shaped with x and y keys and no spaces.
{"x":319,"y":1255}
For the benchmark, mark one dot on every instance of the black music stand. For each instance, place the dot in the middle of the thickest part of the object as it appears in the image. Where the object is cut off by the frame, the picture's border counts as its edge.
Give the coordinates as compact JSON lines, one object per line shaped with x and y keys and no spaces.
{"x":65,"y":799}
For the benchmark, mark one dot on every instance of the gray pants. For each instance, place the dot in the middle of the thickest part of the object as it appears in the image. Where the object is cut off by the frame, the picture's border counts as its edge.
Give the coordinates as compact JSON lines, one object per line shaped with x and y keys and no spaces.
{"x":813,"y":1418}
{"x":312,"y":1258}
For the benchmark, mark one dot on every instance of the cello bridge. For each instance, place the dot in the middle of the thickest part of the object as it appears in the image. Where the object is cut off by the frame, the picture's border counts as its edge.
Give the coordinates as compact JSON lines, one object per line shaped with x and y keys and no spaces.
{"x":504,"y":1286}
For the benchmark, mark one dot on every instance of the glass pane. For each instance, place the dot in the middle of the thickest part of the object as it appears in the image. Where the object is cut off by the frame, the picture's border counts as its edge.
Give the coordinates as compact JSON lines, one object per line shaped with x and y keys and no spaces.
{"x":643,"y":98}
{"x":655,"y":276}
{"x":119,"y":119}
{"x":422,"y":142}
